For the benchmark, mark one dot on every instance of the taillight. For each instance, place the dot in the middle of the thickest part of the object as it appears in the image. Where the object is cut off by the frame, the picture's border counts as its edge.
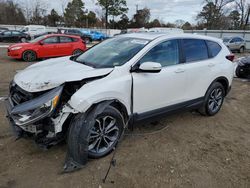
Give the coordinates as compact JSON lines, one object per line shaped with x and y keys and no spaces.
{"x":230,"y":57}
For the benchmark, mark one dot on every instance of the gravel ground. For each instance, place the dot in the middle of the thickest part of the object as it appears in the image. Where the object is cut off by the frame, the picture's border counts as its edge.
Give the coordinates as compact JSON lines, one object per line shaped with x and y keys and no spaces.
{"x":192,"y":151}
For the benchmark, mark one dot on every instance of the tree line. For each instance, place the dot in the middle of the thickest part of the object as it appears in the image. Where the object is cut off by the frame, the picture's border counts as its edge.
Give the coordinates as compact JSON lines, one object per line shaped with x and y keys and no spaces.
{"x":215,"y":14}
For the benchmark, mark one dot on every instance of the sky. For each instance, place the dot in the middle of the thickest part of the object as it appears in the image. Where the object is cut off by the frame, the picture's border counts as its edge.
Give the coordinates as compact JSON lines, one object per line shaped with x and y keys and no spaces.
{"x":164,"y":10}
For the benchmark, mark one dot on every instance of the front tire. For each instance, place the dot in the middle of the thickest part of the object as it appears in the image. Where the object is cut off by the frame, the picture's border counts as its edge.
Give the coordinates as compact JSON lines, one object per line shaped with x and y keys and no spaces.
{"x":214,"y":99}
{"x":99,"y":136}
{"x":29,"y":56}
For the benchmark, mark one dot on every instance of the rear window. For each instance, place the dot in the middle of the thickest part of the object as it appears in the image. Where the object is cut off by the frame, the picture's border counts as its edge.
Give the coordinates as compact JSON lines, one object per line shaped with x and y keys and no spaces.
{"x":214,"y":48}
{"x":195,"y":50}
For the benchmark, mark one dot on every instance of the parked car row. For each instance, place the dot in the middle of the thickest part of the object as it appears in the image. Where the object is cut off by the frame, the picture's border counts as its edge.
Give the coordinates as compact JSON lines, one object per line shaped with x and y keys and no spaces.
{"x":53,"y":45}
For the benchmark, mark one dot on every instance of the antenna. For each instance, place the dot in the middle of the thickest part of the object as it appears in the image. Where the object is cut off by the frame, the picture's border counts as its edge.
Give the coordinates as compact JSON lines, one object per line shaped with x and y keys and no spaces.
{"x":136,"y":7}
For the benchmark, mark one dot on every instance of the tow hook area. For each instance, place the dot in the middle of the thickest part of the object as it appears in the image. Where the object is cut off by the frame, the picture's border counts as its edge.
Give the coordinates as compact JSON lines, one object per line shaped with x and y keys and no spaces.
{"x":78,"y":139}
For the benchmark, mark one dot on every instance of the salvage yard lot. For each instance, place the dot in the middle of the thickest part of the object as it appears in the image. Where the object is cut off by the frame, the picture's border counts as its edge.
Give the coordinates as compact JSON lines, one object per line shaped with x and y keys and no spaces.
{"x":193,"y":151}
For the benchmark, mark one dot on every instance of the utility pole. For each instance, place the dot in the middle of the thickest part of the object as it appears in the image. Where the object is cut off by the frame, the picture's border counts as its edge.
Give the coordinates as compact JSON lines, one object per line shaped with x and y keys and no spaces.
{"x":137,"y":7}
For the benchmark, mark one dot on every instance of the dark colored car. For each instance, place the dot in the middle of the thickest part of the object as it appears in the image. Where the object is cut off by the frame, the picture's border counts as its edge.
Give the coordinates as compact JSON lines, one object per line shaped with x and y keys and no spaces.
{"x":13,"y":36}
{"x":243,"y":68}
{"x":45,"y":33}
{"x":86,"y":37}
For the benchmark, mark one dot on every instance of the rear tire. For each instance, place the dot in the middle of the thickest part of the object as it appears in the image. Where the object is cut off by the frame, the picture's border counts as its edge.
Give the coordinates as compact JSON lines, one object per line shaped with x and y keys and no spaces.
{"x":29,"y":56}
{"x":77,"y":52}
{"x":214,"y":99}
{"x":238,"y":73}
{"x":242,"y":50}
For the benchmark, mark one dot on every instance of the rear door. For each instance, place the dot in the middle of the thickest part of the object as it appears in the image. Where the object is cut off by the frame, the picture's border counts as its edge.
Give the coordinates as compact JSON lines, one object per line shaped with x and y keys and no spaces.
{"x":49,"y":47}
{"x":65,"y":47}
{"x":201,"y":69}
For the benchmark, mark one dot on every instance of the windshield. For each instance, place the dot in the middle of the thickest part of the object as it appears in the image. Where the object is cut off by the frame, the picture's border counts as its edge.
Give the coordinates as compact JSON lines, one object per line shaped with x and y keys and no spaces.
{"x":226,"y":39}
{"x":38,"y":39}
{"x":112,"y":52}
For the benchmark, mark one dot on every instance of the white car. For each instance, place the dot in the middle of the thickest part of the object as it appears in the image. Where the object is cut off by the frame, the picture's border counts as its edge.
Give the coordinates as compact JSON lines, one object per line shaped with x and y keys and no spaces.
{"x":33,"y":30}
{"x":92,"y":97}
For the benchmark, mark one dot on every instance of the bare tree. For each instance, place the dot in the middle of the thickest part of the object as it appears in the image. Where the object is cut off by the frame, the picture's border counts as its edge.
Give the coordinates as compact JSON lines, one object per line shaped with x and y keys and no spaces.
{"x":220,"y":4}
{"x":243,"y":7}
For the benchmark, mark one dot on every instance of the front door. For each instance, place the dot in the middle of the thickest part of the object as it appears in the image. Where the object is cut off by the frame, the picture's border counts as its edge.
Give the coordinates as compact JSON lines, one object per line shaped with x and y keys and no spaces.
{"x":153,"y":91}
{"x":49,"y":48}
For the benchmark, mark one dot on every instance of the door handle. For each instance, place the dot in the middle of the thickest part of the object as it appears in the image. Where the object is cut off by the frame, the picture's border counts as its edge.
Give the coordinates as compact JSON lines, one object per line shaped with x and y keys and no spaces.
{"x":179,"y":71}
{"x":211,"y":64}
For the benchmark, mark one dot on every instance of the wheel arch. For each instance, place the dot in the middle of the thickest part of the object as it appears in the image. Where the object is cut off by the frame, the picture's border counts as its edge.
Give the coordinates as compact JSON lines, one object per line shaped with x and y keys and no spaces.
{"x":224,"y":81}
{"x":114,"y":103}
{"x":37,"y":55}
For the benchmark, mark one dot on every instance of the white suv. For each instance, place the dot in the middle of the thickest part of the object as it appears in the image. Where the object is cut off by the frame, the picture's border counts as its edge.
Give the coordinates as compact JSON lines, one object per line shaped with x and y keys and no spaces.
{"x":91,"y":97}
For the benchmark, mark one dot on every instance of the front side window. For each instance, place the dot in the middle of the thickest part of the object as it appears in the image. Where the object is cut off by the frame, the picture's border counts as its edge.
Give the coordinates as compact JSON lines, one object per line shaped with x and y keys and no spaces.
{"x":233,"y":40}
{"x":166,"y":53}
{"x":195,"y":50}
{"x":7,"y":33}
{"x":112,"y":52}
{"x":50,"y":40}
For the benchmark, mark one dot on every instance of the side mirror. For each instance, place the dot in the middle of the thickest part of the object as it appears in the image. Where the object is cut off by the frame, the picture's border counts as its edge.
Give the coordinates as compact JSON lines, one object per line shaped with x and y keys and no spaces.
{"x":41,"y":43}
{"x":150,"y":67}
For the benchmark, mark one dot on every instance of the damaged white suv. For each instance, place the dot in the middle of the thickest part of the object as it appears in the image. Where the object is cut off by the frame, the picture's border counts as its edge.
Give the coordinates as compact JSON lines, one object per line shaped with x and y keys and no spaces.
{"x":90,"y":98}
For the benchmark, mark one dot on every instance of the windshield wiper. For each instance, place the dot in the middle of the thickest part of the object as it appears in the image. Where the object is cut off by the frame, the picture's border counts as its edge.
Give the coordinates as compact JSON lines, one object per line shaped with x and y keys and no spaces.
{"x":74,"y":58}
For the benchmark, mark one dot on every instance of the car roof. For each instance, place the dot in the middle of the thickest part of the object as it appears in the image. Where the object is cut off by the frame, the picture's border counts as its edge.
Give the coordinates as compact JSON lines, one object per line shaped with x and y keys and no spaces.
{"x":62,"y":35}
{"x":155,"y":35}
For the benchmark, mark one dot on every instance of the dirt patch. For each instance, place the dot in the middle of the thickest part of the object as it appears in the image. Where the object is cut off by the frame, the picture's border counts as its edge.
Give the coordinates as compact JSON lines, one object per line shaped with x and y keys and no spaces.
{"x":194,"y":151}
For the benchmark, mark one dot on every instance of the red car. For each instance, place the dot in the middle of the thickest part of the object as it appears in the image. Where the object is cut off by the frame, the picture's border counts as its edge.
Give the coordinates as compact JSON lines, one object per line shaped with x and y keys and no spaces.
{"x":53,"y":45}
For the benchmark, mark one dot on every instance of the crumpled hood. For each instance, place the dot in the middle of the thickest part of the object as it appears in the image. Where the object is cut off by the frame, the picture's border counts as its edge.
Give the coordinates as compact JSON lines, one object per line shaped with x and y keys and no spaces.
{"x":54,"y":72}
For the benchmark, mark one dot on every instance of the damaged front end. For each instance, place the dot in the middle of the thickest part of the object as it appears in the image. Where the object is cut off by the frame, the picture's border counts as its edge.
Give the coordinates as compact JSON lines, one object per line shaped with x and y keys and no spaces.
{"x":38,"y":115}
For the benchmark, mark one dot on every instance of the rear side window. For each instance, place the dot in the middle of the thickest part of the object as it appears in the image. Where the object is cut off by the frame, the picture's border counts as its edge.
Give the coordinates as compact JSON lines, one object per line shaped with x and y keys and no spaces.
{"x":214,"y":48}
{"x":65,"y":39}
{"x":195,"y":50}
{"x":50,"y":40}
{"x":74,"y":39}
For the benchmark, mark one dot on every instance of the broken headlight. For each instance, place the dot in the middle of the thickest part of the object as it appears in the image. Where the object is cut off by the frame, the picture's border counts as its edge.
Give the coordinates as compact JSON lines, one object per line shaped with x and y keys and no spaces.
{"x":36,"y":109}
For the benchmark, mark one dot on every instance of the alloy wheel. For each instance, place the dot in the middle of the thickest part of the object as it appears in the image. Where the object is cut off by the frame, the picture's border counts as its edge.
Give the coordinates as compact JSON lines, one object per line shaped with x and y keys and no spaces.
{"x":215,"y":100}
{"x":29,"y":56}
{"x":103,"y":135}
